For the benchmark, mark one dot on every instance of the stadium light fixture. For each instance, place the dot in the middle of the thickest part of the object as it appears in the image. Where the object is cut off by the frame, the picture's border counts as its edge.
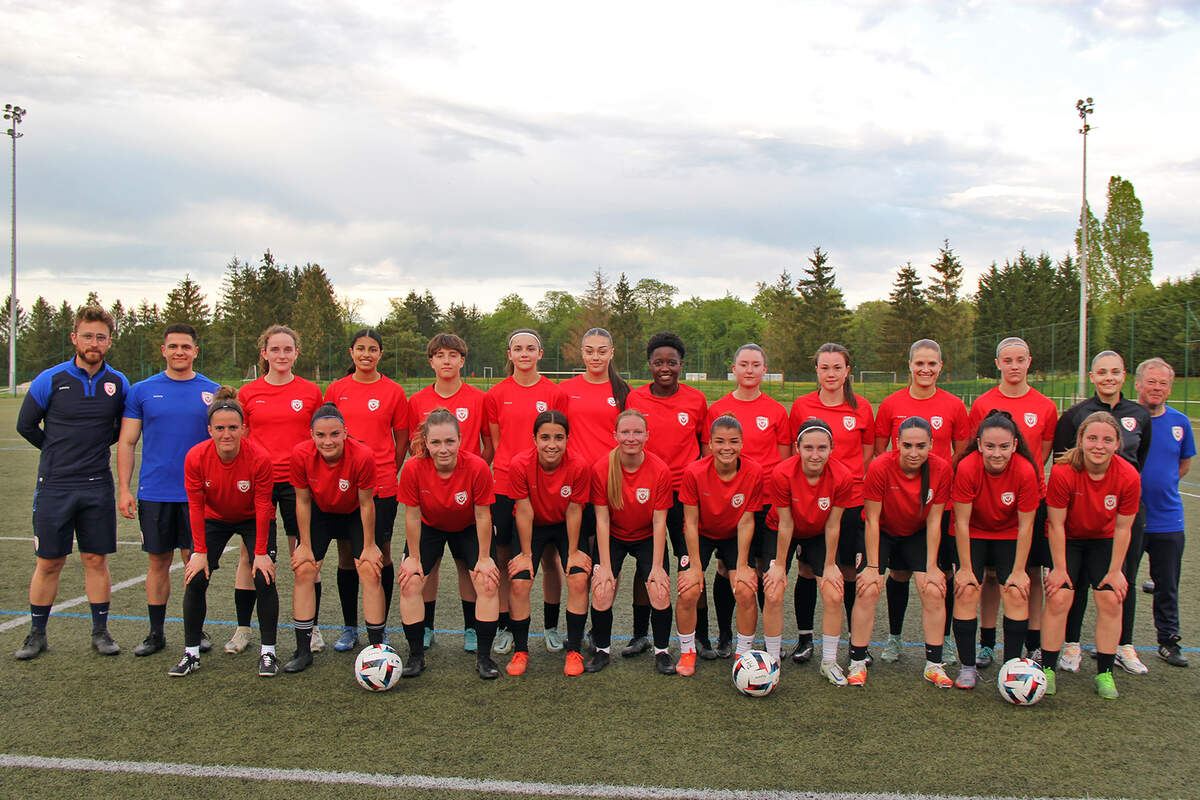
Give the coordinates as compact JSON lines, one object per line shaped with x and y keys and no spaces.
{"x":1085,"y":108}
{"x":16,"y":114}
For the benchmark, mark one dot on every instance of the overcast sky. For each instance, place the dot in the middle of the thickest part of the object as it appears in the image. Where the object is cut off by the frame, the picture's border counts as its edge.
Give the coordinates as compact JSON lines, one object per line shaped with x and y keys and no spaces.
{"x":478,"y":148}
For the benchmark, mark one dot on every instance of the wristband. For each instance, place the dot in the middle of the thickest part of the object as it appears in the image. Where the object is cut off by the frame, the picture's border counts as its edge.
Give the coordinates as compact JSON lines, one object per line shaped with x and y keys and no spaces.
{"x":872,"y":566}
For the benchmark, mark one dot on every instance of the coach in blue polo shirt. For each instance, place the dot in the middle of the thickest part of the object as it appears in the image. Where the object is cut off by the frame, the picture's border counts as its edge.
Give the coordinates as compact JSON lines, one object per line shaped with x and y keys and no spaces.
{"x":169,"y":413}
{"x":72,"y":414}
{"x":1171,"y":451}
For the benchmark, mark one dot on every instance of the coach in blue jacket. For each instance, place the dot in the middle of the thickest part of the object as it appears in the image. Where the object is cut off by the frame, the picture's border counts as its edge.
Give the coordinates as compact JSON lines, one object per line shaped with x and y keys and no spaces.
{"x":73,"y":414}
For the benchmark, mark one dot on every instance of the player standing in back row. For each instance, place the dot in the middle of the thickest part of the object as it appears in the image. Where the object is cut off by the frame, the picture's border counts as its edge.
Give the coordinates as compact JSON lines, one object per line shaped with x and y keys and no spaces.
{"x":72,"y":414}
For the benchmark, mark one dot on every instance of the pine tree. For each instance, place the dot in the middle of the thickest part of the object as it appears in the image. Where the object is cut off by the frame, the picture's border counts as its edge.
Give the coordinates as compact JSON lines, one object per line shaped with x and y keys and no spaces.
{"x":317,"y":318}
{"x":907,"y":318}
{"x":779,"y":305}
{"x":37,"y":348}
{"x":1127,"y":255}
{"x":822,"y":307}
{"x":1100,"y":282}
{"x":626,"y":325}
{"x":186,"y":303}
{"x":949,"y":316}
{"x":595,"y":311}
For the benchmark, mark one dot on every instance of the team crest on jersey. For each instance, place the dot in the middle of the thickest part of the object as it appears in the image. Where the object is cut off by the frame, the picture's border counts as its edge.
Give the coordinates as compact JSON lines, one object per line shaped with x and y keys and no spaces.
{"x":110,"y":388}
{"x":1110,"y":501}
{"x":643,"y":495}
{"x":737,"y":500}
{"x":565,"y":491}
{"x":1008,"y":498}
{"x":1128,"y":423}
{"x":461,"y":498}
{"x":462,"y":414}
{"x":848,"y":422}
{"x":297,"y":404}
{"x":540,"y":405}
{"x":682,"y":417}
{"x":243,"y":486}
{"x":1177,"y":432}
{"x":612,"y":401}
{"x":207,"y":398}
{"x":936,"y":422}
{"x":343,"y":485}
{"x":762,"y":423}
{"x":373,"y":404}
{"x":684,"y":561}
{"x":823,"y":503}
{"x":1030,"y":419}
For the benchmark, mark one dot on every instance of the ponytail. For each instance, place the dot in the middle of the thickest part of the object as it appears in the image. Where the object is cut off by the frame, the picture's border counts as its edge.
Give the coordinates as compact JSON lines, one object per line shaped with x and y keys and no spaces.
{"x":998,"y":418}
{"x":919,"y":422}
{"x":848,"y":385}
{"x":264,"y":337}
{"x":616,"y":475}
{"x":620,"y":389}
{"x":509,"y":367}
{"x":1074,"y":456}
{"x":439,"y":416}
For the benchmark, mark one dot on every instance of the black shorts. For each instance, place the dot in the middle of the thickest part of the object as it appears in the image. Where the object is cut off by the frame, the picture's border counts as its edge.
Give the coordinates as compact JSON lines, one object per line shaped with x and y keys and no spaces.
{"x":642,"y":551}
{"x":464,"y":546}
{"x":217,"y":534}
{"x":85,"y":513}
{"x":675,"y":527}
{"x":165,"y":526}
{"x":543,"y":536}
{"x":283,"y":495}
{"x":810,"y":551}
{"x":998,"y":554}
{"x":852,"y":548}
{"x":1039,"y":546}
{"x":1088,"y":561}
{"x":504,"y":525}
{"x":947,"y":559}
{"x":385,"y":518}
{"x":324,"y":527}
{"x":904,"y":553}
{"x":726,"y":550}
{"x":762,"y":546}
{"x":587,"y":529}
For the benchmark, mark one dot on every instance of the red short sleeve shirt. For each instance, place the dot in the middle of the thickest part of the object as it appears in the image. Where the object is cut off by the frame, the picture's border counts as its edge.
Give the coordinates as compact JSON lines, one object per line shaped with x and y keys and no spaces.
{"x":549,"y":493}
{"x":674,"y":424}
{"x":334,"y":487}
{"x":1035,"y":415}
{"x":903,"y":513}
{"x":447,"y":504}
{"x":945,"y":413}
{"x":374,"y":413}
{"x":466,"y":405}
{"x":810,"y":505}
{"x":764,"y":426}
{"x":721,"y":504}
{"x":593,"y":411}
{"x":513,"y":408}
{"x":279,"y":417}
{"x":644,"y":491}
{"x":853,"y":428}
{"x":996,"y":499}
{"x":1092,"y":506}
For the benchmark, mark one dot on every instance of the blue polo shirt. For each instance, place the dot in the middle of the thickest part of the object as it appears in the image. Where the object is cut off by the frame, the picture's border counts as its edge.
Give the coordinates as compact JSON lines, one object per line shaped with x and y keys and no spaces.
{"x":174,"y":417}
{"x":1171,"y":441}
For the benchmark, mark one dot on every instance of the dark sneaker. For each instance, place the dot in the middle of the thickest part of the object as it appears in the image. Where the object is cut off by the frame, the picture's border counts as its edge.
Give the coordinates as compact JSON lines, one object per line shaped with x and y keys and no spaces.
{"x":486,"y":667}
{"x":186,"y":666}
{"x":35,"y":645}
{"x":636,"y":647}
{"x":300,"y":662}
{"x":664,"y":664}
{"x":413,"y":667}
{"x":985,"y":657}
{"x":205,"y":642}
{"x":705,"y":650}
{"x":599,"y":661}
{"x":268,"y":665}
{"x":1167,"y":651}
{"x":151,"y":644}
{"x":1148,"y":587}
{"x":803,"y":651}
{"x":724,"y":648}
{"x":103,"y":642}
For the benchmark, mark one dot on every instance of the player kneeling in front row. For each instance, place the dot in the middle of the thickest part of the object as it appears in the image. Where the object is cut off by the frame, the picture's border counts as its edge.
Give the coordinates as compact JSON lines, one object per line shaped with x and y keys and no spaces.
{"x":1091,"y":500}
{"x":229,"y":483}
{"x":549,"y":486}
{"x":334,"y":479}
{"x":447,"y":493}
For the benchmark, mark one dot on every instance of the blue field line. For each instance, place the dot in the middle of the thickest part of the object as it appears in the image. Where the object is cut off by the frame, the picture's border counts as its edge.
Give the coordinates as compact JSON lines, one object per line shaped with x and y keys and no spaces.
{"x":458,"y":632}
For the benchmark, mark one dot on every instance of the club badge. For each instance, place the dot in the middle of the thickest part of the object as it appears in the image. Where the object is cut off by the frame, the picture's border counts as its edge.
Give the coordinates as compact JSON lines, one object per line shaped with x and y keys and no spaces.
{"x":823,"y":503}
{"x":1030,"y":419}
{"x":1177,"y":432}
{"x":737,"y":500}
{"x":762,"y":423}
{"x":565,"y":491}
{"x":1110,"y":501}
{"x":110,"y":388}
{"x":373,"y":404}
{"x":1008,"y":498}
{"x":848,"y":422}
{"x":936,"y":422}
{"x":540,"y":406}
{"x":461,"y":498}
{"x":243,"y":486}
{"x":1128,"y":423}
{"x":297,"y":404}
{"x":682,"y":417}
{"x":207,"y":397}
{"x":343,"y":485}
{"x":462,"y":414}
{"x":643,"y":495}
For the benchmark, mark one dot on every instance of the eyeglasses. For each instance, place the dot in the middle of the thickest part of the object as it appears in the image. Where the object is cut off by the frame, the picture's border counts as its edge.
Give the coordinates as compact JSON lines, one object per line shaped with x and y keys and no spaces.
{"x":98,"y":338}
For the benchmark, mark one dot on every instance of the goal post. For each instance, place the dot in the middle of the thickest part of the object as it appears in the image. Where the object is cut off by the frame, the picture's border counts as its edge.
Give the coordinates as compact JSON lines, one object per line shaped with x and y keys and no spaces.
{"x":876,"y":376}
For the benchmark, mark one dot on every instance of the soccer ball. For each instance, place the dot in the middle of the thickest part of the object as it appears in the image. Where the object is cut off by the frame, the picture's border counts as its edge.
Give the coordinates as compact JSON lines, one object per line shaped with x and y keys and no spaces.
{"x":377,"y":668}
{"x":1021,"y":682}
{"x":755,"y":674}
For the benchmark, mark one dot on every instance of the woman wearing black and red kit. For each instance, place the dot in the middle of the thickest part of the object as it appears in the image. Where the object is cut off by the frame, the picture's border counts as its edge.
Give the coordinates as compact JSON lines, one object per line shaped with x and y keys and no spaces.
{"x":228,"y":482}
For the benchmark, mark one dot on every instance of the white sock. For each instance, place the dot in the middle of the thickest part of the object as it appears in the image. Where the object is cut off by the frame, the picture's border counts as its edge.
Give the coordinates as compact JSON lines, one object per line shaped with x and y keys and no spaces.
{"x":862,"y":663}
{"x":268,"y":648}
{"x":601,"y":649}
{"x":687,"y":642}
{"x":658,"y":650}
{"x":744,"y":643}
{"x":194,"y":652}
{"x":930,"y":665}
{"x":773,"y":646}
{"x":829,"y":646}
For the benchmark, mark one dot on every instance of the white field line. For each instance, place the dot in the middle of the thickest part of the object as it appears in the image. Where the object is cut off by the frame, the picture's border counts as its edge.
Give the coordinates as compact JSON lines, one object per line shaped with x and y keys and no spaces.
{"x":472,"y":785}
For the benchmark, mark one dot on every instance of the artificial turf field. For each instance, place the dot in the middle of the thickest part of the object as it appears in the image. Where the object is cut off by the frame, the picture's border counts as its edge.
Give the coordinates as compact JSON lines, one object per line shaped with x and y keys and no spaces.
{"x":593,"y":735}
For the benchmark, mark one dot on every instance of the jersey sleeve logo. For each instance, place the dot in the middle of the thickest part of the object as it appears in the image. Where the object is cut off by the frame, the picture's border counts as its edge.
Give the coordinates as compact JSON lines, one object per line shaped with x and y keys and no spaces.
{"x":1128,"y":423}
{"x":1110,"y":501}
{"x":373,"y":404}
{"x":1177,"y":432}
{"x":462,"y":414}
{"x":110,"y":388}
{"x":297,"y":404}
{"x":936,"y":422}
{"x":929,"y":496}
{"x":682,"y":417}
{"x":643,"y":495}
{"x":565,"y":491}
{"x":823,"y":503}
{"x":461,"y":498}
{"x":207,"y":397}
{"x":848,"y":422}
{"x":540,"y":406}
{"x":243,"y":486}
{"x":343,"y":484}
{"x":1030,"y":419}
{"x":1008,"y":498}
{"x":737,"y":500}
{"x":612,"y":401}
{"x":762,"y":423}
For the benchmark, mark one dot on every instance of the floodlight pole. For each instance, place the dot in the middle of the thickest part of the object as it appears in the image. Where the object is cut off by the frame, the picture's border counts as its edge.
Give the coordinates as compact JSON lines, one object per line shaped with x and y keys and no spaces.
{"x":1084,"y":107}
{"x":15,"y":113}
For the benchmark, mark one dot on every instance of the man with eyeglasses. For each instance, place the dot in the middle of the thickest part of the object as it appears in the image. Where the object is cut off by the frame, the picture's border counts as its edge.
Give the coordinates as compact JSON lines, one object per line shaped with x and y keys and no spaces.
{"x":72,"y":413}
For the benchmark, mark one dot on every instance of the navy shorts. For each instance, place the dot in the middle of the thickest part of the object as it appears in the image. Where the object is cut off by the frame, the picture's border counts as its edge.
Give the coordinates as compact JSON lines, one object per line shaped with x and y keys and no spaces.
{"x":165,"y":526}
{"x":675,"y":527}
{"x":63,"y":515}
{"x":324,"y":527}
{"x":1039,"y":547}
{"x":283,"y":495}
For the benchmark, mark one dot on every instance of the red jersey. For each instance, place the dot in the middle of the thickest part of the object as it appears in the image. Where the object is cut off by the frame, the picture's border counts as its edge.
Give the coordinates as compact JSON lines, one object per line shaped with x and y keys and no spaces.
{"x":853,"y":428}
{"x":721,"y":503}
{"x":334,"y":487}
{"x":447,"y":504}
{"x":549,"y":492}
{"x":467,"y":407}
{"x":593,"y":411}
{"x":374,"y":413}
{"x":764,"y":427}
{"x":643,"y":491}
{"x":995,"y":499}
{"x":810,"y":505}
{"x":945,"y":413}
{"x":903,"y":513}
{"x":1092,"y":506}
{"x":1035,"y":415}
{"x":233,"y":492}
{"x":674,"y":424}
{"x":513,"y":408}
{"x":278,"y":417}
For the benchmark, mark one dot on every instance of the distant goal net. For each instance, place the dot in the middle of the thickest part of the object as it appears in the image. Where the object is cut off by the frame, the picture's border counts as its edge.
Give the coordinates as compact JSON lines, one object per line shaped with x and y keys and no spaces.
{"x":876,"y":376}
